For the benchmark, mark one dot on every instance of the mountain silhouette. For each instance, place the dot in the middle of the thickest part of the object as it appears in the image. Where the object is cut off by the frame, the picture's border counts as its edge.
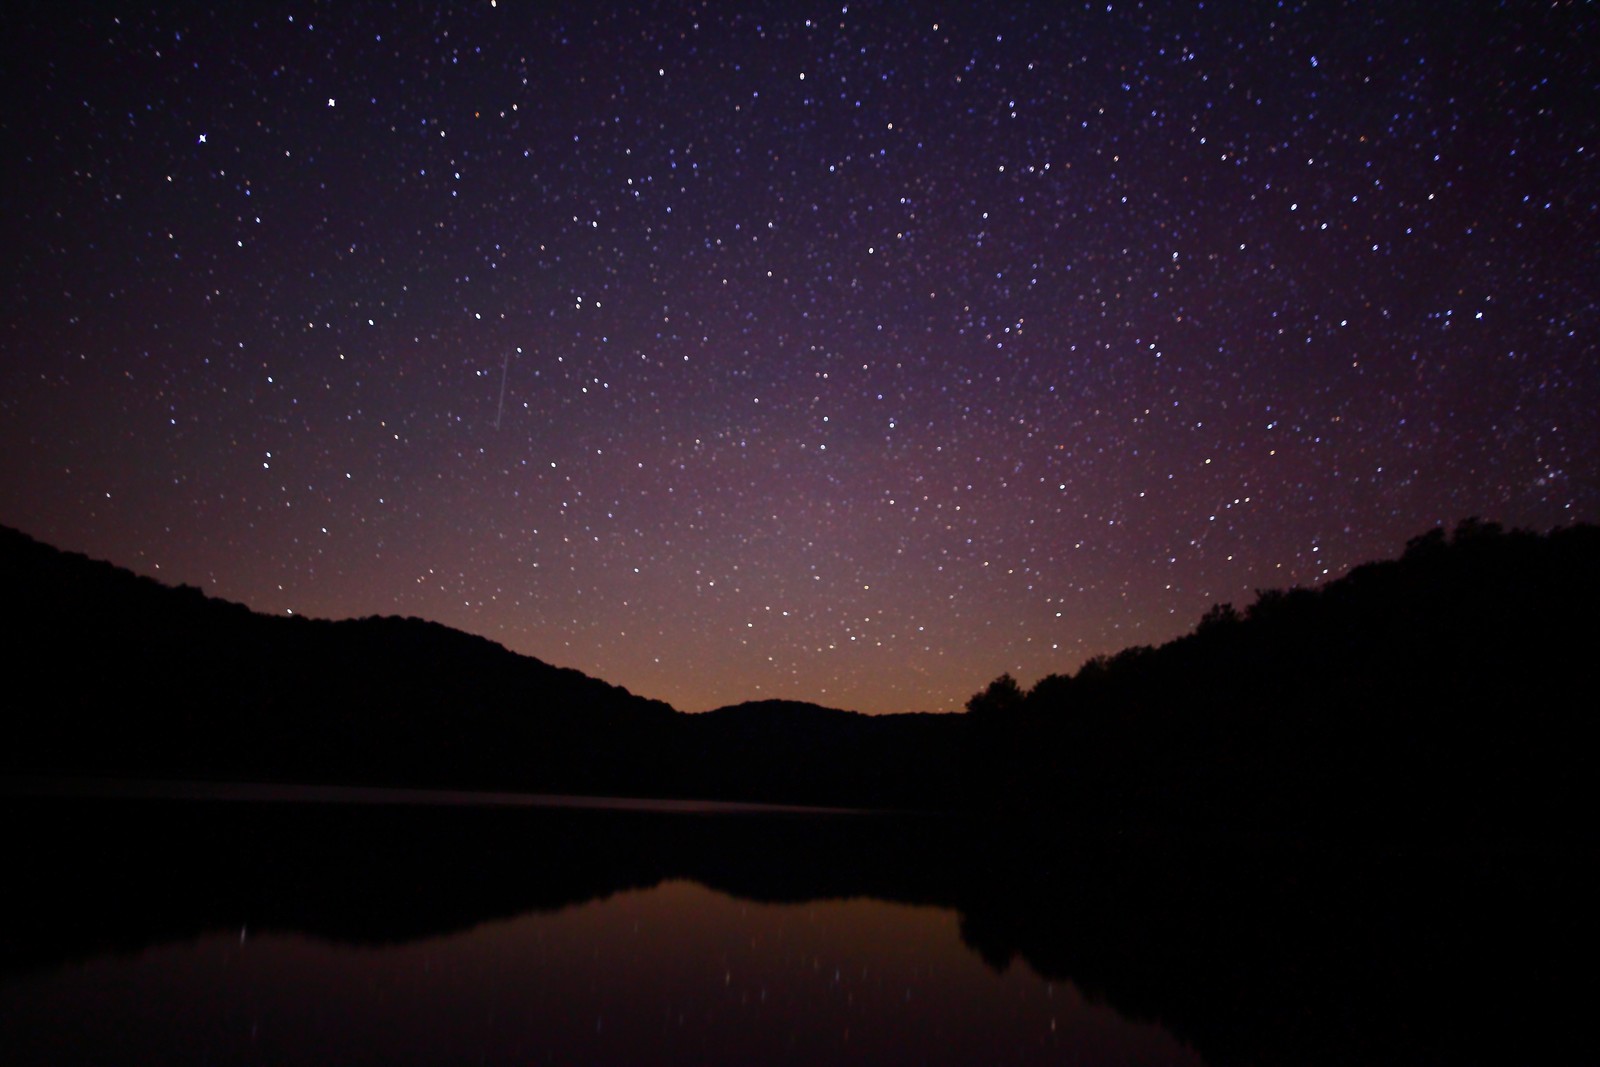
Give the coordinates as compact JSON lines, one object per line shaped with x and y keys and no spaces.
{"x":1439,"y":692}
{"x":1447,"y":691}
{"x":130,"y":677}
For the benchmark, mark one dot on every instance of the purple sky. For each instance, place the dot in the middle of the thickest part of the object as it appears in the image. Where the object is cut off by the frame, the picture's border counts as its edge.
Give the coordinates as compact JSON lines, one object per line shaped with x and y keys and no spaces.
{"x":849,"y":353}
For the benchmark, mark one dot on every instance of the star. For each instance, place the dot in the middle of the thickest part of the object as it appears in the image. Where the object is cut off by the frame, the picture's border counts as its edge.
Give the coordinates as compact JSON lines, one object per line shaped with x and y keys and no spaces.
{"x":1064,"y":326}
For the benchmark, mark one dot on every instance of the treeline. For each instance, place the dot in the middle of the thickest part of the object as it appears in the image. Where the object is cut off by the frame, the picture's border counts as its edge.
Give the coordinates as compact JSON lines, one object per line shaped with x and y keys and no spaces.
{"x":115,"y":674}
{"x":1450,"y":689}
{"x":118,"y":674}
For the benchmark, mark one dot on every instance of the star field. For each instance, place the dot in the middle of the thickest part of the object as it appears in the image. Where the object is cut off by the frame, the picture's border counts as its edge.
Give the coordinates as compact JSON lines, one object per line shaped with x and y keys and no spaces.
{"x":852,"y":353}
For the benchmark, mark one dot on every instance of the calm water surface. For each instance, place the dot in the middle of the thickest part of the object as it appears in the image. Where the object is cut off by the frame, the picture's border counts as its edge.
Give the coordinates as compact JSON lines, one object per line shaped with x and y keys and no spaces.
{"x":677,"y":973}
{"x":185,"y":925}
{"x":242,"y":925}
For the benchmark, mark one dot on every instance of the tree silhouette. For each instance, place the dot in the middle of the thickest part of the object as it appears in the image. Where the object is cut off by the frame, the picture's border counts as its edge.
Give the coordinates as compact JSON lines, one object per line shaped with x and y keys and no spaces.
{"x":1002,"y":696}
{"x":1219,"y":616}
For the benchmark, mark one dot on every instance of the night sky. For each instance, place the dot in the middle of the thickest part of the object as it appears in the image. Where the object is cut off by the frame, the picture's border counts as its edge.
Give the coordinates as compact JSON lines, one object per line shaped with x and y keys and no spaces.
{"x":848,"y":353}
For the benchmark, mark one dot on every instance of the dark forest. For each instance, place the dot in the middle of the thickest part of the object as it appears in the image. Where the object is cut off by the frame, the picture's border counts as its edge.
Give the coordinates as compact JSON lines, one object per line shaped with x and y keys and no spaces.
{"x":1442,"y":691}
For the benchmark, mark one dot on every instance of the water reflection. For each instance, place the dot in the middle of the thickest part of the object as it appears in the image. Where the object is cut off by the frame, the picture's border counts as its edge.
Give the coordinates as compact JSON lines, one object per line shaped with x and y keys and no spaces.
{"x":673,"y":974}
{"x":183,"y":931}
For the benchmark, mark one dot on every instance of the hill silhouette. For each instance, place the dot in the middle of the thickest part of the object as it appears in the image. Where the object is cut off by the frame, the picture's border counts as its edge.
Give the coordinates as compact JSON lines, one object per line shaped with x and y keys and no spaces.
{"x":124,"y":675}
{"x":1441,"y":691}
{"x":1451,"y":689}
{"x":117,"y":674}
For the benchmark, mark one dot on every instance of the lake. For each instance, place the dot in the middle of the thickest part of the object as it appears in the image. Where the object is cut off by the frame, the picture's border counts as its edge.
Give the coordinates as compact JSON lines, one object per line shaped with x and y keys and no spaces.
{"x":170,"y":925}
{"x":676,"y":973}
